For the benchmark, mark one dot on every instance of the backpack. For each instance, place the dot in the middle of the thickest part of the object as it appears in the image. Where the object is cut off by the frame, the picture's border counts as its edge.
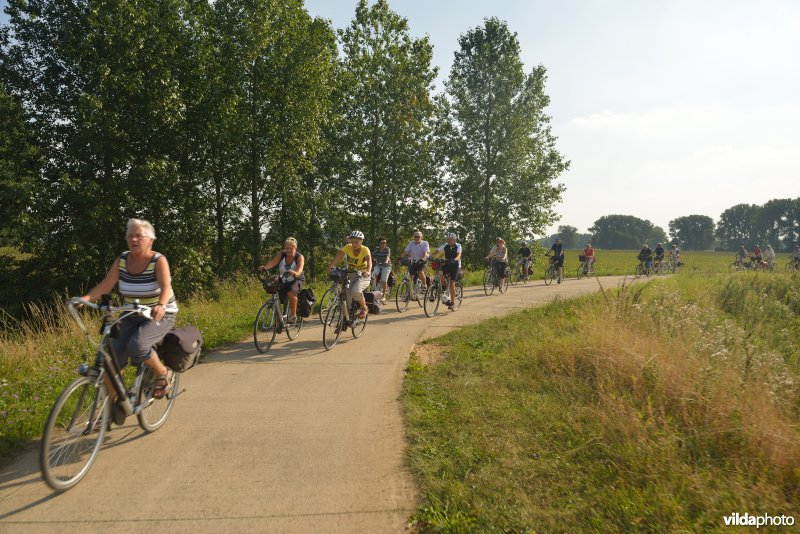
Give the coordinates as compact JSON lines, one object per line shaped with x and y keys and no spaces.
{"x":305,"y":302}
{"x":373,"y":300}
{"x":180,"y":349}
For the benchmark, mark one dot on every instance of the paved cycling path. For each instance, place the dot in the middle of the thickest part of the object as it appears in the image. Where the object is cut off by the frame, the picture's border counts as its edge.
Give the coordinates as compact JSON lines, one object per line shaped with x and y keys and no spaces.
{"x":297,"y":440}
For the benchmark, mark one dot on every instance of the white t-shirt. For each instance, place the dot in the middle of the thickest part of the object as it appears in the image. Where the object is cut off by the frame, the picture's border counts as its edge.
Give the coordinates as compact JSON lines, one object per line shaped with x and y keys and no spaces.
{"x":417,"y":250}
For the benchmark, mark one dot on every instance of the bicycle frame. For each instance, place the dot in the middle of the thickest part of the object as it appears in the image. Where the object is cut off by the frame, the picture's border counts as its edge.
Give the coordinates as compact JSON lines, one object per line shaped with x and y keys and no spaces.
{"x":104,"y":361}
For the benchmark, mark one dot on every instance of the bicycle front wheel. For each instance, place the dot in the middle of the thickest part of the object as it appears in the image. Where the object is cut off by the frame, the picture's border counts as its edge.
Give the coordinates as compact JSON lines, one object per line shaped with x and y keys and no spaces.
{"x":332,"y":329}
{"x":73,"y":433}
{"x":488,"y":284}
{"x":325,"y":303}
{"x":548,"y":276}
{"x":433,"y":296}
{"x":639,"y":271}
{"x":402,"y":296}
{"x":154,"y":412}
{"x":265,"y":327}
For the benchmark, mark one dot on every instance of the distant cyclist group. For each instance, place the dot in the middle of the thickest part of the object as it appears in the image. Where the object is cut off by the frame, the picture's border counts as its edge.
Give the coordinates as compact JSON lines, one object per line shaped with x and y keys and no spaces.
{"x":658,"y":261}
{"x":758,"y":260}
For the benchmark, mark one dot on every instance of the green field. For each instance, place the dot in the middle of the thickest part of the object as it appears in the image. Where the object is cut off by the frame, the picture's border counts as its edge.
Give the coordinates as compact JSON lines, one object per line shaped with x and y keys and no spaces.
{"x":661,"y":408}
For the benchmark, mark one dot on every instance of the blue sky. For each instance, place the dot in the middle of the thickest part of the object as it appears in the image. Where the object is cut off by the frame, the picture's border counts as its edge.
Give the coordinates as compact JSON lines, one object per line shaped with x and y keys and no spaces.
{"x":664,"y":108}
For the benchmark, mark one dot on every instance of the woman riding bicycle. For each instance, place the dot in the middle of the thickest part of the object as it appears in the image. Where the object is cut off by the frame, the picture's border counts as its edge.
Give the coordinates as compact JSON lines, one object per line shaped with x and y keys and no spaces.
{"x":290,"y":266}
{"x":143,"y":275}
{"x":500,"y":254}
{"x":359,"y":259}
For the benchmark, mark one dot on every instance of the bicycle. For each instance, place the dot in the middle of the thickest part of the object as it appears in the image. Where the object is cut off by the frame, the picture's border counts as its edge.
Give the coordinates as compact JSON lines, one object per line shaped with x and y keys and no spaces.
{"x":339,"y":316}
{"x":551,"y":272}
{"x":82,"y":414}
{"x":435,"y":291}
{"x":672,"y":265}
{"x":270,"y":320}
{"x":326,"y":300}
{"x":585,"y":268}
{"x":793,"y":265}
{"x":659,"y":266}
{"x":742,"y":265}
{"x":643,"y":269}
{"x":406,"y":291}
{"x":522,"y":271}
{"x":491,"y":281}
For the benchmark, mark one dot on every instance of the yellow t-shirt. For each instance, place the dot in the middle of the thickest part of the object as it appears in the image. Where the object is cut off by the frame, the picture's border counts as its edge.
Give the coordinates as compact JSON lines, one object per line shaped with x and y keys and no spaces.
{"x":359,"y":261}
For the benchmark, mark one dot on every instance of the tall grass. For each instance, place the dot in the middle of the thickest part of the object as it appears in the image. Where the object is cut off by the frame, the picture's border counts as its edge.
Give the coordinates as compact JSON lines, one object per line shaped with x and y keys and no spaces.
{"x":656,"y":408}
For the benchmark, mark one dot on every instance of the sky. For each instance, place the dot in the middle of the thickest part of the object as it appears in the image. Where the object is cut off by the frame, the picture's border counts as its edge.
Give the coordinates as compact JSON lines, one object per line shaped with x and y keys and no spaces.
{"x":663,"y":108}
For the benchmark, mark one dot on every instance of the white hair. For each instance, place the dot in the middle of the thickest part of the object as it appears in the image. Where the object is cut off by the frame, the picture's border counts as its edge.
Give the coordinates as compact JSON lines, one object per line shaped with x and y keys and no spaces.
{"x":144,"y":225}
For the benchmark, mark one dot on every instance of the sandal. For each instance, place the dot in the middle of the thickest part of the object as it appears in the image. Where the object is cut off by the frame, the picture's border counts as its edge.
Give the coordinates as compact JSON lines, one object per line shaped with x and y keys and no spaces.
{"x":160,"y":390}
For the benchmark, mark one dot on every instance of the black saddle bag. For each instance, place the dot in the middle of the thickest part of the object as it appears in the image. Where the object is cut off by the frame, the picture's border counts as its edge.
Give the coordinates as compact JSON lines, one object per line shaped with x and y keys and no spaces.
{"x":180,"y":348}
{"x":373,"y":300}
{"x":305,"y":302}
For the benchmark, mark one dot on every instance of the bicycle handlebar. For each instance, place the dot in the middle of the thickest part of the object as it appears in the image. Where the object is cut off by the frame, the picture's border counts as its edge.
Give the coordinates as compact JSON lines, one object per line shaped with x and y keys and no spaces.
{"x":133,"y":309}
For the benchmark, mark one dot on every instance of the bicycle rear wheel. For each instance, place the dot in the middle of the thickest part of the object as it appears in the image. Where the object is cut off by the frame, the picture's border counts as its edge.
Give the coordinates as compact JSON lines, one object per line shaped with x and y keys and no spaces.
{"x":156,"y":411}
{"x":502,"y":284}
{"x":402,"y":296}
{"x":332,"y":329}
{"x":265,"y":327}
{"x":73,"y":433}
{"x":357,"y":325}
{"x":292,"y":330}
{"x":433,"y":296}
{"x":459,"y":296}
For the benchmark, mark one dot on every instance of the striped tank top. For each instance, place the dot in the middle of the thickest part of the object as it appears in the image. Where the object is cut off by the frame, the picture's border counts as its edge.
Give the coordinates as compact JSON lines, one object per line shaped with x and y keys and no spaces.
{"x":142,"y":286}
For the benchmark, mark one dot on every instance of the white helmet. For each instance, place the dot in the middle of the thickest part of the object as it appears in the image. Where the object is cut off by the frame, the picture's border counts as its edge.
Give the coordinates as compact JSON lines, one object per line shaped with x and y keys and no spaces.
{"x":451,"y":235}
{"x":357,"y":234}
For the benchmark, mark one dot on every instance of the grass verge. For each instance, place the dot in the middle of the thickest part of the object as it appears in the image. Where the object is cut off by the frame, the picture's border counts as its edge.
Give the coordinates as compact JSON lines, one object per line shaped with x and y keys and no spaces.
{"x":664,"y":407}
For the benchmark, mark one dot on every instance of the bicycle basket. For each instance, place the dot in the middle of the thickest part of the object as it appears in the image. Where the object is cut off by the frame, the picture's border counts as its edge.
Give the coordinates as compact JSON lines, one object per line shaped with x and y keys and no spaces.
{"x":270,"y":284}
{"x":337,"y":275}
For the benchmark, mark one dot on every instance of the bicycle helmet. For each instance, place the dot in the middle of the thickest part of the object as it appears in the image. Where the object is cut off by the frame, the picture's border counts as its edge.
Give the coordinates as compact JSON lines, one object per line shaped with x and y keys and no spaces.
{"x":451,"y":235}
{"x":356,"y":234}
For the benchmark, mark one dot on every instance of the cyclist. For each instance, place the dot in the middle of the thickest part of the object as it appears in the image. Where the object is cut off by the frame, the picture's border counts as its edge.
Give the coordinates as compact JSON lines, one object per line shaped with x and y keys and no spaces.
{"x":757,"y":255}
{"x":741,"y":255}
{"x":558,"y":257}
{"x":646,"y":255}
{"x":419,"y":251}
{"x":675,"y":256}
{"x":588,"y":253}
{"x":359,"y":259}
{"x":290,"y":266}
{"x":382,"y":262}
{"x":796,"y":256}
{"x":500,"y":254}
{"x":524,"y":254}
{"x":452,"y":254}
{"x":142,"y":274}
{"x":659,"y":252}
{"x":769,"y":256}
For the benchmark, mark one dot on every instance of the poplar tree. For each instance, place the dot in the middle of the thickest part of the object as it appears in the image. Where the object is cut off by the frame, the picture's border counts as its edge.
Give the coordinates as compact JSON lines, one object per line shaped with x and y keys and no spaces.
{"x":501,"y":153}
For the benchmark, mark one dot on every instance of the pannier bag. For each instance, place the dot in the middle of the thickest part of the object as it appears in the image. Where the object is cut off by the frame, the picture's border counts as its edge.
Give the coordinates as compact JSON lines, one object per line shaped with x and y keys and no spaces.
{"x":390,"y":281}
{"x":305,"y":302}
{"x":581,"y":257}
{"x":460,"y":274}
{"x":180,"y":348}
{"x":373,"y":300}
